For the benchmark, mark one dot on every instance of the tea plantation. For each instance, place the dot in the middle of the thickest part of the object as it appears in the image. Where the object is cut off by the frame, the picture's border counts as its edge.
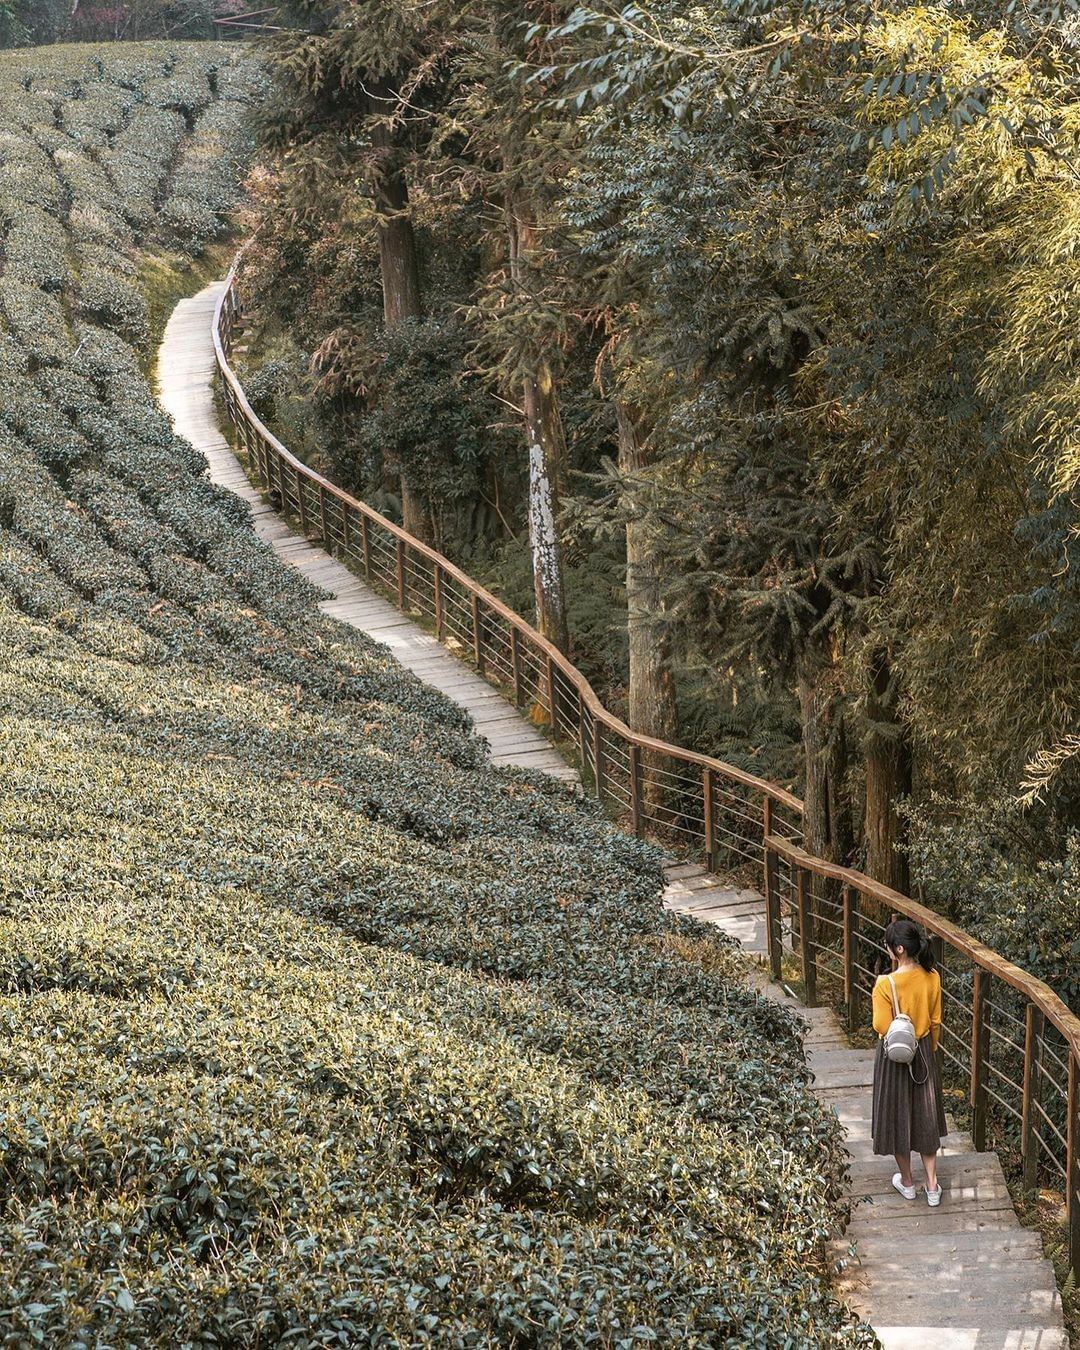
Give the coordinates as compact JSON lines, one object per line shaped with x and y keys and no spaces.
{"x":317,"y":1030}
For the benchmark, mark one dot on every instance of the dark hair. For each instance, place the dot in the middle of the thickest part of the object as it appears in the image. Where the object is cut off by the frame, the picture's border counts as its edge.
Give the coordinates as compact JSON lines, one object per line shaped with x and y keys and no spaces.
{"x":903,"y":933}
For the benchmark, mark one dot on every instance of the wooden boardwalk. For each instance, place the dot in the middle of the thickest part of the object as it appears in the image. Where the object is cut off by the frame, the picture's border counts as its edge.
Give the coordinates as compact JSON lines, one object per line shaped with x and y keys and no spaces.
{"x":185,"y":380}
{"x":963,"y":1277}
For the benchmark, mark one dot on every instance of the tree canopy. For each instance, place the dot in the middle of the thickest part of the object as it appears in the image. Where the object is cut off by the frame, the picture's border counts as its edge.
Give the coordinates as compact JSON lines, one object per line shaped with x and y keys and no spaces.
{"x":797,"y":283}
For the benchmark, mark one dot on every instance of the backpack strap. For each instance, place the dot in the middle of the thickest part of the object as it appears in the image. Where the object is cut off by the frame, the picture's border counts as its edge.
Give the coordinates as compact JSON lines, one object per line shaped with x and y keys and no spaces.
{"x":895,"y":1000}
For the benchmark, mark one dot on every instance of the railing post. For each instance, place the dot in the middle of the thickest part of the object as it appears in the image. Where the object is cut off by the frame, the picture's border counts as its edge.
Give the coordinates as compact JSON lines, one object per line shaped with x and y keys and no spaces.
{"x":477,"y":633}
{"x":300,"y":502}
{"x":1072,"y":1167}
{"x":707,"y":813}
{"x":552,"y":696}
{"x":635,"y":790}
{"x":281,"y":483}
{"x":582,"y":734}
{"x":322,"y":517}
{"x":766,"y":828}
{"x":345,"y":544}
{"x":980,"y":1044}
{"x":598,"y":758}
{"x":365,"y":543}
{"x":515,"y":665}
{"x":848,"y":900}
{"x":1029,"y":1145}
{"x":809,"y":956}
{"x":439,"y":616}
{"x":399,"y":544}
{"x":937,"y":946}
{"x":774,"y":938}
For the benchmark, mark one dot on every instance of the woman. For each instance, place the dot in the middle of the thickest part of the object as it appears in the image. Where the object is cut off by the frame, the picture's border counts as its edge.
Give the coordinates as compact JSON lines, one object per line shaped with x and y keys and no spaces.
{"x":909,"y":1113}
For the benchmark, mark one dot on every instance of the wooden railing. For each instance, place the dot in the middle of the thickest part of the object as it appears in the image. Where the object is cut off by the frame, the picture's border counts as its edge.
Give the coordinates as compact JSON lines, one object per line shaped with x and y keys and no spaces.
{"x":1008,"y":1039}
{"x":251,"y":21}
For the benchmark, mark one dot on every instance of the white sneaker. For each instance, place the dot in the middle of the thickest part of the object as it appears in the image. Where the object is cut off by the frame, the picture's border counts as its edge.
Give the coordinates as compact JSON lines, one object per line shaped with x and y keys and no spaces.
{"x":908,"y":1192}
{"x":933,"y":1198}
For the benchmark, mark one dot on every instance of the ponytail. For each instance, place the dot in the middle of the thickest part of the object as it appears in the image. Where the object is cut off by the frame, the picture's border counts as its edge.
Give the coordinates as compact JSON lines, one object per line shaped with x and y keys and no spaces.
{"x":903,"y":933}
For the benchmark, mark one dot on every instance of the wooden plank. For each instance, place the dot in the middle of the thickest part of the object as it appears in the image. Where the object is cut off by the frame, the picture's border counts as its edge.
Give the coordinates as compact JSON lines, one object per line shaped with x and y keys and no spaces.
{"x":712,"y":901}
{"x":703,"y":881}
{"x":971,"y":1338}
{"x":966,"y":1249}
{"x":850,"y":1076}
{"x":682,"y":871}
{"x":1008,"y":1305}
{"x":912,"y":1223}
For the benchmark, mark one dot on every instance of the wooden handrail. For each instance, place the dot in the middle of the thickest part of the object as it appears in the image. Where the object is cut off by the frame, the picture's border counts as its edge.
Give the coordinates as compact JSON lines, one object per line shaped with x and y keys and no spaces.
{"x":1036,"y":991}
{"x":736,"y":817}
{"x":490,"y":601}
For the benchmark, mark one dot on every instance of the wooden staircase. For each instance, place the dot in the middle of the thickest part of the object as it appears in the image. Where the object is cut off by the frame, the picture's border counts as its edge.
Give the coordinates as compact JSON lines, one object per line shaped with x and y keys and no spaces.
{"x":965,"y":1276}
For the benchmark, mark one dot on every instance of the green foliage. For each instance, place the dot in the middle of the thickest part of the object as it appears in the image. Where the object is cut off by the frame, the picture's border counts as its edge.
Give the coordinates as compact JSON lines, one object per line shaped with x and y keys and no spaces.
{"x":980,"y":862}
{"x":431,"y":417}
{"x":596,"y":599}
{"x":847,"y":371}
{"x":415,"y":1148}
{"x":32,"y":21}
{"x":317,"y":1029}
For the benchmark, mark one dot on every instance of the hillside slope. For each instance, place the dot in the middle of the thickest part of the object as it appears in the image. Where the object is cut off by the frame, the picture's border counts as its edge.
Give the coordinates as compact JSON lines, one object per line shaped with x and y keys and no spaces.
{"x":318,"y":1029}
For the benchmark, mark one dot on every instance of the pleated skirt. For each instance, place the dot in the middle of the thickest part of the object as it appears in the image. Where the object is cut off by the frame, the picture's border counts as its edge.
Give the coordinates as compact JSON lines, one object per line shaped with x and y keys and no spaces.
{"x":908,"y":1117}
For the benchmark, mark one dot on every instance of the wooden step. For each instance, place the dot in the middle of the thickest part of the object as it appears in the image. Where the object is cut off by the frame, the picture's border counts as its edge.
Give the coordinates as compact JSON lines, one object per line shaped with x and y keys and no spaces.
{"x":979,"y":1337}
{"x":997,"y":1303}
{"x":959,"y":1251}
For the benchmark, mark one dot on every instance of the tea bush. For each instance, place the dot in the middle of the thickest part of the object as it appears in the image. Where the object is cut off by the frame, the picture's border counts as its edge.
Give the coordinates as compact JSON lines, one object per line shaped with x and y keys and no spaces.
{"x":286,"y":1059}
{"x":317,"y":1030}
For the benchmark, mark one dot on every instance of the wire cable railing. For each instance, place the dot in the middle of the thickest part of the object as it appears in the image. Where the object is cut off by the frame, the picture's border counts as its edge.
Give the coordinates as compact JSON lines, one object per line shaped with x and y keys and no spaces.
{"x":1010,"y":1040}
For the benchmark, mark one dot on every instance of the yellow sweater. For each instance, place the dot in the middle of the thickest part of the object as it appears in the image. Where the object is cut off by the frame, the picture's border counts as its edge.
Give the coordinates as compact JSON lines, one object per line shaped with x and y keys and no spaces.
{"x":918,"y":992}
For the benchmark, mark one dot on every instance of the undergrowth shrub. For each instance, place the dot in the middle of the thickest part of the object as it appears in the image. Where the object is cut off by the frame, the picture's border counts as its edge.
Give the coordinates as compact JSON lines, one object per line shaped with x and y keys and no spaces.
{"x":466,"y":1087}
{"x":983,"y":864}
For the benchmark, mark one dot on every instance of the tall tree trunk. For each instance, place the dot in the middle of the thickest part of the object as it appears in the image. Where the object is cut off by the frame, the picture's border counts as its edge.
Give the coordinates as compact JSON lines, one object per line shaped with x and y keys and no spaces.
{"x":544,"y":433}
{"x":546,"y":443}
{"x":887,"y":757}
{"x":826,"y":815}
{"x":399,"y":268}
{"x":653,"y":709}
{"x":827,"y":831}
{"x":398,"y":259}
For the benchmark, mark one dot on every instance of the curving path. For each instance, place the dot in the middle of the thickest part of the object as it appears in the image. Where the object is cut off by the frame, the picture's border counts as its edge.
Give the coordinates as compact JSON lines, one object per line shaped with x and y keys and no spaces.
{"x":963,"y":1277}
{"x":185,"y":382}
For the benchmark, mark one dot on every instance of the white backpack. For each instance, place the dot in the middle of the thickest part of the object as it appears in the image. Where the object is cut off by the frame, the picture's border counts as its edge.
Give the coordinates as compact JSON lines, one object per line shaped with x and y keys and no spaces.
{"x":901,"y":1043}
